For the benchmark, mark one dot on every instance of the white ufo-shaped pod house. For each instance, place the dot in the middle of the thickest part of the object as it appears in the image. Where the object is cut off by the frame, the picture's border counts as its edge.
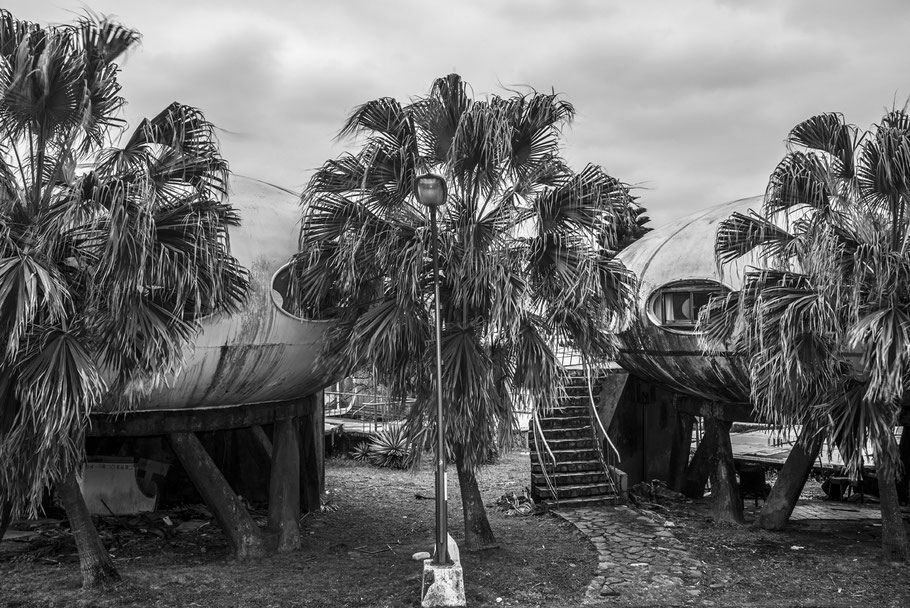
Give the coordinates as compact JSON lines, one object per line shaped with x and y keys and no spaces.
{"x":677,"y":274}
{"x":263,"y":354}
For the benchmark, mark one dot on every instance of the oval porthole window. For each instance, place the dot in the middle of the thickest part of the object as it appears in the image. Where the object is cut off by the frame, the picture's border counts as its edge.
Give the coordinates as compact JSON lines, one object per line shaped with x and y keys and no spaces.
{"x":281,"y":284}
{"x":676,"y":305}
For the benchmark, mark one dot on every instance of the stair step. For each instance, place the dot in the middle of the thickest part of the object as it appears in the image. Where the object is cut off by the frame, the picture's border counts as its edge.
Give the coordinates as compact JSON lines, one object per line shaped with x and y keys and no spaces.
{"x":571,"y":432}
{"x":584,"y":453}
{"x":575,"y":491}
{"x":568,"y":404}
{"x":572,"y":466}
{"x":548,"y":424}
{"x":564,"y":412}
{"x":580,"y":390}
{"x":568,"y":479}
{"x":563,"y":444}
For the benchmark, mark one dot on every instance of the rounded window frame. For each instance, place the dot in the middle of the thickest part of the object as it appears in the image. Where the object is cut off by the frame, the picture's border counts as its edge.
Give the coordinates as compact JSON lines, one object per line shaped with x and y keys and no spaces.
{"x":272,"y":291}
{"x":690,"y":286}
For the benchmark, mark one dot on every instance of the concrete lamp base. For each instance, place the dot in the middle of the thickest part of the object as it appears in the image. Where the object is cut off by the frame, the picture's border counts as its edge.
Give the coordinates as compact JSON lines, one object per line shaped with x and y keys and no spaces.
{"x":443,"y":585}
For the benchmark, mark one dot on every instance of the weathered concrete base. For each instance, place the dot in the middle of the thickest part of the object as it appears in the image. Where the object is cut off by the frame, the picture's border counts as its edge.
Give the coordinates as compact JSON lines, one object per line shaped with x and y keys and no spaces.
{"x":442,"y":585}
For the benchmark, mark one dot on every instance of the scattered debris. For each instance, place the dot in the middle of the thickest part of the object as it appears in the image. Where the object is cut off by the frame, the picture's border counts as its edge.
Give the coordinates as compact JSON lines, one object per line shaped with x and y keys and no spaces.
{"x":513,"y":504}
{"x":22,"y":536}
{"x":193,"y":524}
{"x":655,"y":493}
{"x":37,"y":539}
{"x":363,"y":549}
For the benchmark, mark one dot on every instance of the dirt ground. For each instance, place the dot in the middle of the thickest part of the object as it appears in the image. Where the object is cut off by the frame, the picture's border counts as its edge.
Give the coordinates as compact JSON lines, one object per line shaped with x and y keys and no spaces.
{"x":813,"y":563}
{"x":358,"y":553}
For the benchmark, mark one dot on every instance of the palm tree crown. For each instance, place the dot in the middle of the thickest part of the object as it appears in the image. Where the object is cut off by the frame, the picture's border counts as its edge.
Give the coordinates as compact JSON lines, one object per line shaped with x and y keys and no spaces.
{"x":108,"y":256}
{"x":826,"y":326}
{"x":526,"y":253}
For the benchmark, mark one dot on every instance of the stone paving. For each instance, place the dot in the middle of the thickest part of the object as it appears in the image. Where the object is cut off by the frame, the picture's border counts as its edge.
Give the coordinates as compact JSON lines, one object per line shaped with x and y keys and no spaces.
{"x":635,"y":554}
{"x":641,"y":562}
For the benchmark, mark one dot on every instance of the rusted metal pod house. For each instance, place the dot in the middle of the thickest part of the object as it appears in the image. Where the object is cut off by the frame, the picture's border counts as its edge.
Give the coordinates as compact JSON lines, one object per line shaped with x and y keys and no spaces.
{"x":648,"y":403}
{"x":671,"y":379}
{"x":246,"y":371}
{"x":677,"y":274}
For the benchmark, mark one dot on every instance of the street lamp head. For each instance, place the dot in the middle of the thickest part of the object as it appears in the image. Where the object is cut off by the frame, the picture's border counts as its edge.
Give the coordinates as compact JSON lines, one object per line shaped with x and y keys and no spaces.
{"x":430,"y":190}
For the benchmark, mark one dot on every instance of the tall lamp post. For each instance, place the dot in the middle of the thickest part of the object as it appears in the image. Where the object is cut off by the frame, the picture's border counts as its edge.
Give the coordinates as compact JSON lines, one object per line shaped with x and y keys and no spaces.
{"x":430,"y":190}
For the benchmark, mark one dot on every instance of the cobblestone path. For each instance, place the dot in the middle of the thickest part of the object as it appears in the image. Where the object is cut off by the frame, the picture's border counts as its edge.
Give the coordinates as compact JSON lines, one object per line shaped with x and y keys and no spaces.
{"x":640,"y":561}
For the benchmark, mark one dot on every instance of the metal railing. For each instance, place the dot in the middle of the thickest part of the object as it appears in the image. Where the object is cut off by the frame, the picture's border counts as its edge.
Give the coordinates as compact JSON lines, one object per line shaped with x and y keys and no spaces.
{"x":370,"y":407}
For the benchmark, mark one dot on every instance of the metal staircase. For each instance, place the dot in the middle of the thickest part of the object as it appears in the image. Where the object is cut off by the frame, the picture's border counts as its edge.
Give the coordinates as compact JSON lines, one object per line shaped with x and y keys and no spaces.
{"x":578,"y":473}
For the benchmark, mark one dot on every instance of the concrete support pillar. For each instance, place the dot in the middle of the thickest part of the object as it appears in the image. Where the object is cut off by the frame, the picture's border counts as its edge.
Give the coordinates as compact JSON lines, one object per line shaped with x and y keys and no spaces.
{"x":242,"y":532}
{"x":312,"y":454}
{"x":284,"y":485}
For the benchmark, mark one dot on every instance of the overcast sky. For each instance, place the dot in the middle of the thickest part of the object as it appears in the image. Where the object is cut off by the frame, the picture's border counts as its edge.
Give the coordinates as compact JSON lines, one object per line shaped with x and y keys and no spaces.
{"x":688,"y":100}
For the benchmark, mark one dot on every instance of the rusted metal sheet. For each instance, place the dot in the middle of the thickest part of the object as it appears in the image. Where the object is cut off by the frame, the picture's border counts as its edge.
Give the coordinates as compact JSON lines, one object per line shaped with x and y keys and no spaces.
{"x":683,"y":251}
{"x":262,"y":354}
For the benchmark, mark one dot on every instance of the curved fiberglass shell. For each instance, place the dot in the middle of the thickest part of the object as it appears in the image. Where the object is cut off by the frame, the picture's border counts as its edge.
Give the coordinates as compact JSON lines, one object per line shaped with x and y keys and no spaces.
{"x":261,"y":354}
{"x":676,"y":269}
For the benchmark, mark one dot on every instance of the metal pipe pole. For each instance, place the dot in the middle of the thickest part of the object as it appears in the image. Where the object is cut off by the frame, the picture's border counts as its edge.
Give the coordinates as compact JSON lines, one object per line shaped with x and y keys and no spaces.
{"x":442,"y":493}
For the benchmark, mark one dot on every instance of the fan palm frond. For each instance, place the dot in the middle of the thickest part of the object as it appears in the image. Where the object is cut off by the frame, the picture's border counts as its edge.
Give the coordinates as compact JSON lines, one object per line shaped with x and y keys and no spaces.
{"x":739,"y":234}
{"x":525,"y":252}
{"x":110,"y":268}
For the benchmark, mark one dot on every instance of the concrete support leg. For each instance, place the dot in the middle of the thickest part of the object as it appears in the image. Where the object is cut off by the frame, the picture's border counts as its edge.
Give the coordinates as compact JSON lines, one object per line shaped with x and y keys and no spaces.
{"x":242,"y":532}
{"x":700,"y":467}
{"x":261,"y":440}
{"x":312,"y":456}
{"x":680,"y":450}
{"x":284,"y":485}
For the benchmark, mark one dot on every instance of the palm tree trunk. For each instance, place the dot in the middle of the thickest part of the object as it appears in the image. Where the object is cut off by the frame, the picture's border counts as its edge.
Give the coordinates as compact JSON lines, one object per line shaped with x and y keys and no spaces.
{"x":6,"y":515}
{"x":94,"y":561}
{"x":478,"y":535}
{"x":895,"y":545}
{"x":791,"y":479}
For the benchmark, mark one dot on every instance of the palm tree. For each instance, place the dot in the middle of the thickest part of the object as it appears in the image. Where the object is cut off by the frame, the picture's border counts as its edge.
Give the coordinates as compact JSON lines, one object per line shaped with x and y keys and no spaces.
{"x":526,"y":259}
{"x":108,"y":256}
{"x":825,"y":327}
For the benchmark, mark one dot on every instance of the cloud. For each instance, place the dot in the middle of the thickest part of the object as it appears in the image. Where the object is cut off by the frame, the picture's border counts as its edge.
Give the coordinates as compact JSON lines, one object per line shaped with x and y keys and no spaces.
{"x":690,"y":99}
